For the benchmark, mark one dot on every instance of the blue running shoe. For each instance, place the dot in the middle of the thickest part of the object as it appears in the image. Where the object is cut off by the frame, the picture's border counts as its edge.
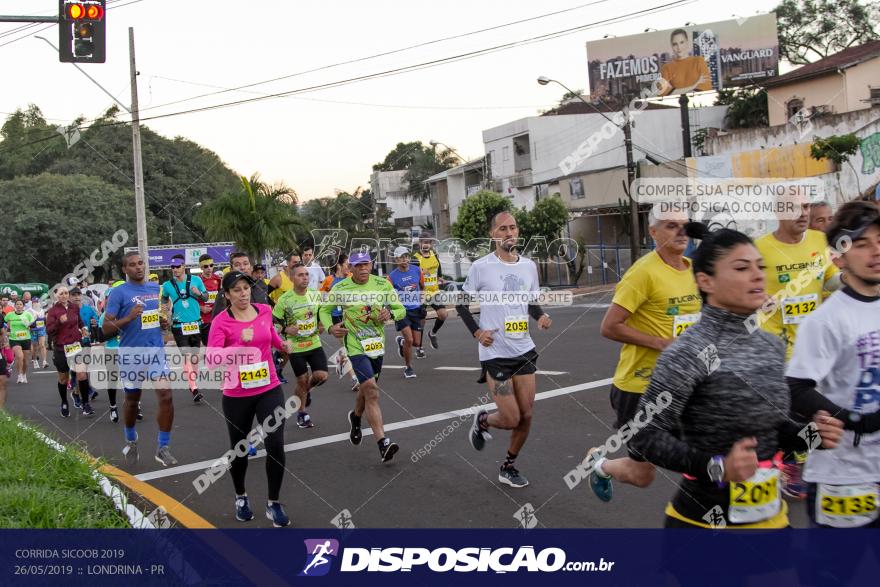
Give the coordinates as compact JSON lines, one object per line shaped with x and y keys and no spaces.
{"x":601,"y":485}
{"x":275,"y":512}
{"x":243,"y":512}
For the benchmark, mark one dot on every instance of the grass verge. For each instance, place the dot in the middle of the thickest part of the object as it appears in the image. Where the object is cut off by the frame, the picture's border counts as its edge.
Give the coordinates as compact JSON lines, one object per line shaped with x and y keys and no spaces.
{"x":41,"y":487}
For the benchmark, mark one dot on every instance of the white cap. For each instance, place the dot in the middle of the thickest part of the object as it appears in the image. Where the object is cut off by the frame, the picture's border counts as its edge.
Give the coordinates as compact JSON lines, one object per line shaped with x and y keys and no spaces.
{"x":400,"y":252}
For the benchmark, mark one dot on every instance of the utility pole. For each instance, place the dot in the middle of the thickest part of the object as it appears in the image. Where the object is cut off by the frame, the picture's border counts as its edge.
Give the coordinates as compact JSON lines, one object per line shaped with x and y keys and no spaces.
{"x":685,"y":125}
{"x":630,"y":178}
{"x":140,"y":207}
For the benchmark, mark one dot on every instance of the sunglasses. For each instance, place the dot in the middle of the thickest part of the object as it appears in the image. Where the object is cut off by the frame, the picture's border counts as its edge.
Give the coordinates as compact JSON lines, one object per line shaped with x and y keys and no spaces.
{"x":206,"y":265}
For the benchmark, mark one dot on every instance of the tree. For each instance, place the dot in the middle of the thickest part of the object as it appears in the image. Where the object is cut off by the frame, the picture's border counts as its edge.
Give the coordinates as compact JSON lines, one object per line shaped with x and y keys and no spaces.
{"x":810,"y":30}
{"x":420,"y":162}
{"x":400,"y":157}
{"x":747,"y":107}
{"x":178,"y":173}
{"x":837,"y":148}
{"x":60,"y":221}
{"x":475,"y":213}
{"x":258,"y":217}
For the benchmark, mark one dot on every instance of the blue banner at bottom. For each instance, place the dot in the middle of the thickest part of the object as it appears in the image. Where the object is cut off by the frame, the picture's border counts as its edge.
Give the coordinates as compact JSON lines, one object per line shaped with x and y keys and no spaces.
{"x":400,"y":557}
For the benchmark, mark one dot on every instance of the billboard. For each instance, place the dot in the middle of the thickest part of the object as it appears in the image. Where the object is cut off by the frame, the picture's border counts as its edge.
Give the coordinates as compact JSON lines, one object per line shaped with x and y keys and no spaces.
{"x":160,"y":256}
{"x":695,"y":58}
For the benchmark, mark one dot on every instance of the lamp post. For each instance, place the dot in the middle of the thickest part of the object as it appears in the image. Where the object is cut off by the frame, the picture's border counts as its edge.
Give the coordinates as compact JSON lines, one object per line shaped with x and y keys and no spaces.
{"x":171,"y":221}
{"x":630,"y":165}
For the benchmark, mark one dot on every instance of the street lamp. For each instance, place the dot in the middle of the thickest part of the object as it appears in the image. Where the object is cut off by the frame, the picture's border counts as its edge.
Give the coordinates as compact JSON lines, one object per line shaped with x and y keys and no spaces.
{"x":630,"y":165}
{"x":171,"y":221}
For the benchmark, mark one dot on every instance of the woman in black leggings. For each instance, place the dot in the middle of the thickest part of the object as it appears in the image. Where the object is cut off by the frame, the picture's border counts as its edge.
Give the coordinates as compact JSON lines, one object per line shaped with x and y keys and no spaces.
{"x":241,"y":340}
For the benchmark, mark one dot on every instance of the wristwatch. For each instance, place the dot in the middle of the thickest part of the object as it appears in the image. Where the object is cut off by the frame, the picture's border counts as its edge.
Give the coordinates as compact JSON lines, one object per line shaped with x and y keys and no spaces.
{"x":715,"y":469}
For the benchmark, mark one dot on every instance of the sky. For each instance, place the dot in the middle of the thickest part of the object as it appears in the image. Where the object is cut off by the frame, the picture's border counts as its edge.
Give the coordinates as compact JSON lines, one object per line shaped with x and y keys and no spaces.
{"x":326,"y":139}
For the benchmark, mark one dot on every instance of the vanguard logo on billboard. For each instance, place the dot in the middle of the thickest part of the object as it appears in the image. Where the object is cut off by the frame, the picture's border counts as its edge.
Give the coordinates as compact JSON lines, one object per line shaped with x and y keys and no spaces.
{"x":703,"y":57}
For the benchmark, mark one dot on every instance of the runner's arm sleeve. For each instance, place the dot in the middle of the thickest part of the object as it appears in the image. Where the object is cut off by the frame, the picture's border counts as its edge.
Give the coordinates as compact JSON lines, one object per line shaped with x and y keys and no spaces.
{"x":806,"y":400}
{"x":465,"y":314}
{"x":676,"y":376}
{"x":535,"y":311}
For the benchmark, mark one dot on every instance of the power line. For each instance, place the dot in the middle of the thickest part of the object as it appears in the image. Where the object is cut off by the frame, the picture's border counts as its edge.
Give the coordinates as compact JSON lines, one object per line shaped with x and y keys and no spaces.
{"x":410,"y":68}
{"x":383,"y":54}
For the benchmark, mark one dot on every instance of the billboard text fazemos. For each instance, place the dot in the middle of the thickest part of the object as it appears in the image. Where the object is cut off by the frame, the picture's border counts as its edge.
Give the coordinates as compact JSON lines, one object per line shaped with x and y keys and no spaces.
{"x":710,"y":56}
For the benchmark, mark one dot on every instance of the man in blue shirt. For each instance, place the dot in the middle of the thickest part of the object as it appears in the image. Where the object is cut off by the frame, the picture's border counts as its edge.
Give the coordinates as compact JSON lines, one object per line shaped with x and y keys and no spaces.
{"x":183,"y":292}
{"x":408,"y":281}
{"x":133,"y":313}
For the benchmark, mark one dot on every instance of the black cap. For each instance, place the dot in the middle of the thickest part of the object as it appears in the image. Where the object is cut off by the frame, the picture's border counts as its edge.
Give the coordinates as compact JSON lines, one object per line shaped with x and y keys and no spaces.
{"x":261,"y":267}
{"x":75,"y":291}
{"x":231,"y":278}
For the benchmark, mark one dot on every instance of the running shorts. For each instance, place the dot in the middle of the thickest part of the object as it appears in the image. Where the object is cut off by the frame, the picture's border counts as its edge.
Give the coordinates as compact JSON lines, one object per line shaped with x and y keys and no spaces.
{"x":366,"y":368}
{"x":182,"y":341}
{"x":314,"y":359}
{"x":413,"y":319}
{"x":502,"y":369}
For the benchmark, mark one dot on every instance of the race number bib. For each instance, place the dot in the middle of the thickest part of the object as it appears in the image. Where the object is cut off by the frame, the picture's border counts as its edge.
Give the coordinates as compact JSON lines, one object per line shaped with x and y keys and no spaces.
{"x":150,"y":319}
{"x":756,"y":499}
{"x":306,"y":327}
{"x":846,"y":506}
{"x":796,"y":309}
{"x":683,"y":322}
{"x":212,"y":297}
{"x":40,"y":324}
{"x":254,"y":375}
{"x":373,"y":346}
{"x":430,"y":280}
{"x":189,"y":328}
{"x":21,"y":335}
{"x":516,"y":326}
{"x":72,"y":350}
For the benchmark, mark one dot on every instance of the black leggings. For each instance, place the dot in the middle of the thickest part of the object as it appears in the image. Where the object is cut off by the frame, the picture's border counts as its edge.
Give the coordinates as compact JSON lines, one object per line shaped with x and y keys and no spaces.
{"x":240,"y":413}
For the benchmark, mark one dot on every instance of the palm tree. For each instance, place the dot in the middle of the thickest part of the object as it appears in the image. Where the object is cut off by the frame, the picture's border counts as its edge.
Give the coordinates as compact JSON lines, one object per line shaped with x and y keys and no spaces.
{"x":258,"y":218}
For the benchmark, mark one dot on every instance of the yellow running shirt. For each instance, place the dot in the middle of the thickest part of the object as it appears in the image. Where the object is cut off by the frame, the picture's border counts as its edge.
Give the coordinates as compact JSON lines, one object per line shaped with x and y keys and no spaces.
{"x":285,"y":287}
{"x":430,"y":266}
{"x":663,"y":302}
{"x":795,"y":275}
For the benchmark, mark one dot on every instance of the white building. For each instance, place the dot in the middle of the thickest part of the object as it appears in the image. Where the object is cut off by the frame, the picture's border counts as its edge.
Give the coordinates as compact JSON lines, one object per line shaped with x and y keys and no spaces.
{"x":390,"y":188}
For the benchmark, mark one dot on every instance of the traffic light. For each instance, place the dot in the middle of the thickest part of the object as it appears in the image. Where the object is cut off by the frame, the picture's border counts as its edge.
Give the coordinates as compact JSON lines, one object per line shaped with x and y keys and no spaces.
{"x":82,"y":31}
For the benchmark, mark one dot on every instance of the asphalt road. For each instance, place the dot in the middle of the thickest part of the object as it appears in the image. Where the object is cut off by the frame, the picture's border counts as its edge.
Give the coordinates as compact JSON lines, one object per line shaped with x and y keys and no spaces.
{"x":436,"y":480}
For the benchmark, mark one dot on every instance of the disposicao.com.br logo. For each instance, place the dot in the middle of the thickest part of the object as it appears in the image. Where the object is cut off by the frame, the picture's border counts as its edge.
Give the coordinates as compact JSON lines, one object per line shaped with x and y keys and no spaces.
{"x":444,"y":559}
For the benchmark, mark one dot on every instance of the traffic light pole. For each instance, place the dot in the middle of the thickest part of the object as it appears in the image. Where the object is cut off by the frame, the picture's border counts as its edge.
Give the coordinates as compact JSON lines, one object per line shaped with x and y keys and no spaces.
{"x":140,"y":207}
{"x":47,"y":19}
{"x":630,"y":178}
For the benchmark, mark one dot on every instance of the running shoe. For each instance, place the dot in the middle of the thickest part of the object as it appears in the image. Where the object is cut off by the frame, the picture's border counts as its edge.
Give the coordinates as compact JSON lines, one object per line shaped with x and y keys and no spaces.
{"x":140,"y":414}
{"x":93,"y":395}
{"x":24,"y":378}
{"x":420,"y":353}
{"x":197,"y":396}
{"x":308,"y":398}
{"x":409,"y":373}
{"x":600,"y":484}
{"x":388,"y":450}
{"x":114,"y":414}
{"x":65,"y":411}
{"x":88,"y":412}
{"x":77,"y":402}
{"x":130,"y":451}
{"x":478,"y":436}
{"x":164,"y":456}
{"x":432,"y":338}
{"x":243,"y":512}
{"x":304,"y":421}
{"x":355,"y":385}
{"x":275,"y":512}
{"x":252,"y":450}
{"x":354,"y":435}
{"x":399,"y":341}
{"x":18,"y":379}
{"x":510,"y":476}
{"x":36,"y":363}
{"x":282,"y":378}
{"x":45,"y":364}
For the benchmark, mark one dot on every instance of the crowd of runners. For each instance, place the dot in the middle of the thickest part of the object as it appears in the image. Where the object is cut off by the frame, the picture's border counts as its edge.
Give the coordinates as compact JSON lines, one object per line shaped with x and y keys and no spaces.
{"x":752,"y":368}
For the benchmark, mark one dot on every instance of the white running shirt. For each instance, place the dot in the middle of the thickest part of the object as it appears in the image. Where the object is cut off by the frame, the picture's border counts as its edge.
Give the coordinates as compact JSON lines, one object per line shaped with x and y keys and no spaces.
{"x":490,"y":277}
{"x":838,"y":347}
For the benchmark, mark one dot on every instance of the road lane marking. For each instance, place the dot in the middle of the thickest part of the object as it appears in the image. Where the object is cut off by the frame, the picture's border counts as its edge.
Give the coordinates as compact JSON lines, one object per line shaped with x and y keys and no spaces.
{"x":202,"y":465}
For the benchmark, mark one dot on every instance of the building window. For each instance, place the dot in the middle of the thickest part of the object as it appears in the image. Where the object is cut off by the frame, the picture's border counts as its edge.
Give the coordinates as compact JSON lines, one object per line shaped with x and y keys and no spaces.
{"x":505,"y":154}
{"x":792,"y":108}
{"x":577,"y":189}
